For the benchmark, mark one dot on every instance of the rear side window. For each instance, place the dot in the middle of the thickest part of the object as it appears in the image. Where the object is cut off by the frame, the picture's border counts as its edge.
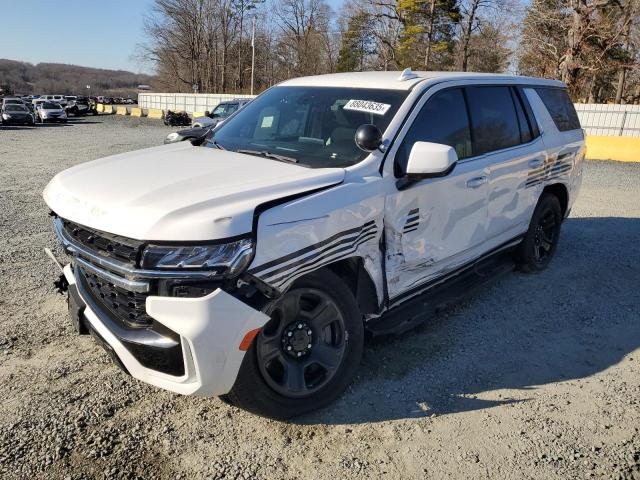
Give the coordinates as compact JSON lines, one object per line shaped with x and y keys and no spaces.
{"x":559,"y":107}
{"x":443,"y":119}
{"x":494,"y":121}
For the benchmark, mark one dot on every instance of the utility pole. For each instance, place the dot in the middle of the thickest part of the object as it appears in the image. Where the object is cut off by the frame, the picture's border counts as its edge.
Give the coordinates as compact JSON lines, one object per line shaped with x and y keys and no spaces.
{"x":253,"y":49}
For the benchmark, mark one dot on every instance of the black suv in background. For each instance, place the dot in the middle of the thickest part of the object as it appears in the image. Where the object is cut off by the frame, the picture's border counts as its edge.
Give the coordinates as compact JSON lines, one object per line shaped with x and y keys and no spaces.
{"x":79,"y":106}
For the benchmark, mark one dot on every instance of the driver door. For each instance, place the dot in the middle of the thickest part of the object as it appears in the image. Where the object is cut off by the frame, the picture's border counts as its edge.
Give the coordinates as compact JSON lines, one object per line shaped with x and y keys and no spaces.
{"x":435,"y":225}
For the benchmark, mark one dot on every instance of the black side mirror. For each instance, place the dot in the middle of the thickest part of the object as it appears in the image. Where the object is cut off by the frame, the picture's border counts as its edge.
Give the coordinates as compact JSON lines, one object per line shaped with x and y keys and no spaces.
{"x":368,"y":137}
{"x":207,"y":135}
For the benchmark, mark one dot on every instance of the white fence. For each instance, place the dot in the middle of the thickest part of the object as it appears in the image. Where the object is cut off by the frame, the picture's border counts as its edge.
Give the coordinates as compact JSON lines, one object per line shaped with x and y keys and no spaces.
{"x":187,"y":102}
{"x":609,"y":120}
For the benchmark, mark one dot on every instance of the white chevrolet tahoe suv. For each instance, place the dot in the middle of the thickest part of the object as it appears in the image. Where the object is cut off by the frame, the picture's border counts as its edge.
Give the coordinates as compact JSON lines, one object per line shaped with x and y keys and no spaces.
{"x":330,"y":207}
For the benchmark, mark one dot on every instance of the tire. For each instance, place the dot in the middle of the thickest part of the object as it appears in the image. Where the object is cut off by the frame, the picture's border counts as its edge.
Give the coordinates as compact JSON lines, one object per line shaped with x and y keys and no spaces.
{"x":263,"y":386}
{"x":541,"y":240}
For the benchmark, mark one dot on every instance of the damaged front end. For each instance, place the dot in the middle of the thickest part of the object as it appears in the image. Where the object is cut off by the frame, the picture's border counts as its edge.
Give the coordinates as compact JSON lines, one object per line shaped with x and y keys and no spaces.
{"x":162,"y":316}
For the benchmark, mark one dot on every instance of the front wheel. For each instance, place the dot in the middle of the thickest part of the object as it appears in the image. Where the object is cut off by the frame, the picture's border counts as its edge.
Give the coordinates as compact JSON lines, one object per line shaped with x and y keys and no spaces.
{"x":541,"y":240}
{"x":307,"y":353}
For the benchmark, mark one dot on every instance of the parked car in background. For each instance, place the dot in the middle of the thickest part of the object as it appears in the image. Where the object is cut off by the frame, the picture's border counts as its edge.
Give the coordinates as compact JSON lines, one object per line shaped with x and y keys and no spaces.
{"x":195,"y":135}
{"x":50,"y":112}
{"x":93,"y":106}
{"x":13,"y":100}
{"x":17,"y":114}
{"x":31,"y":108}
{"x":130,"y":101}
{"x":78,"y":106}
{"x":222,"y":111}
{"x":34,"y":104}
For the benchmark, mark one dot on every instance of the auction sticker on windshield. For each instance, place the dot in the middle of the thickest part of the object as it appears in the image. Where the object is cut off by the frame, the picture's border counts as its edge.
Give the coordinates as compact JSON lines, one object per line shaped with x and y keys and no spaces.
{"x":367,"y":106}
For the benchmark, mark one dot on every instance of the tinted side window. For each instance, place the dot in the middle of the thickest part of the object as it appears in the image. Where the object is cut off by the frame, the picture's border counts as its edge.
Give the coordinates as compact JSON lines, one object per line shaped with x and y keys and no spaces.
{"x":560,"y":108}
{"x":525,"y":129}
{"x":494,"y":122}
{"x":443,"y":119}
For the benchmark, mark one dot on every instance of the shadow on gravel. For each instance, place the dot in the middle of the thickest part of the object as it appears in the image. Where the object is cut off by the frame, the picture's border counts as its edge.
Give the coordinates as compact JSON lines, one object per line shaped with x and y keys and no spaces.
{"x":578,"y":318}
{"x":81,"y":121}
{"x":54,"y":125}
{"x":13,"y":128}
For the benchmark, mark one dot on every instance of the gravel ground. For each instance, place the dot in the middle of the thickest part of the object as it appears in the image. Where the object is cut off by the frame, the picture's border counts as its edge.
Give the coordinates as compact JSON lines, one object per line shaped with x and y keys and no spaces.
{"x":533,"y":377}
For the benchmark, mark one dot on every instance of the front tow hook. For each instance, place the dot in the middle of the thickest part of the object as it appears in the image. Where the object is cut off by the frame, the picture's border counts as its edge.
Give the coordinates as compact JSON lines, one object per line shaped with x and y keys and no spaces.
{"x":61,"y":284}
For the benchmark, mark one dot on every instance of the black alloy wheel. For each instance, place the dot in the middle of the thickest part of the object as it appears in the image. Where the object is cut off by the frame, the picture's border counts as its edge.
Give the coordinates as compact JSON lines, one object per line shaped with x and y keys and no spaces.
{"x":301,"y":347}
{"x":545,"y":237}
{"x":541,"y":240}
{"x":308,"y":352}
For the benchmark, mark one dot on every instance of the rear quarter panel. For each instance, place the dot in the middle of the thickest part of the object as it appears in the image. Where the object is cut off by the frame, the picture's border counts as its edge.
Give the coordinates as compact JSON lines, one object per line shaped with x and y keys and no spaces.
{"x":565,"y":153}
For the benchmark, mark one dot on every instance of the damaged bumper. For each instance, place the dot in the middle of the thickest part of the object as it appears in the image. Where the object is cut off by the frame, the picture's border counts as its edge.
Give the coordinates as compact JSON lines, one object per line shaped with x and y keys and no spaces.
{"x":194,"y":346}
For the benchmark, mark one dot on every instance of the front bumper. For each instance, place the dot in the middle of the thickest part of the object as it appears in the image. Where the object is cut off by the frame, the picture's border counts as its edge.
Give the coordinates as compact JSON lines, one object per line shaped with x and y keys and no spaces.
{"x":54,"y":119}
{"x":209,"y":330}
{"x":22,"y":120}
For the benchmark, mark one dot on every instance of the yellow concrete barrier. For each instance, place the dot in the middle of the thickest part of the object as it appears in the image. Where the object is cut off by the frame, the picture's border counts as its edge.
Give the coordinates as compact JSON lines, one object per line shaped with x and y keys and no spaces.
{"x":154,"y":113}
{"x":122,"y":111}
{"x":136,"y":112}
{"x":197,"y":114}
{"x":622,"y":149}
{"x":108,"y":109}
{"x":100,"y":108}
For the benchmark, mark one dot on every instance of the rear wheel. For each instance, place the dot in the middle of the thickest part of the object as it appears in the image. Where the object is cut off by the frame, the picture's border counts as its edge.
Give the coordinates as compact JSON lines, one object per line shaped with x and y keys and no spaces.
{"x":306,"y":355}
{"x":541,"y":240}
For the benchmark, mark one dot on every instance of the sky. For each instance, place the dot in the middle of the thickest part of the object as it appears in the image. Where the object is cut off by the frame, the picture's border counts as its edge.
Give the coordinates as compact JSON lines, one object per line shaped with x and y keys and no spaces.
{"x":91,"y":33}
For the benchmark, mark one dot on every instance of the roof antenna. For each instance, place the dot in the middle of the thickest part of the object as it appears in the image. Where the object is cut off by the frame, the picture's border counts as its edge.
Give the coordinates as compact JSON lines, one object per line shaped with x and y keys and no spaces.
{"x":407,"y":74}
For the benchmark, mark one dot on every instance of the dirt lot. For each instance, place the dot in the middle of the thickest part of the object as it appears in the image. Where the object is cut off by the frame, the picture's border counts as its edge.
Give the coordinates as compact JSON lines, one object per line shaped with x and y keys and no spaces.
{"x":534,"y":377}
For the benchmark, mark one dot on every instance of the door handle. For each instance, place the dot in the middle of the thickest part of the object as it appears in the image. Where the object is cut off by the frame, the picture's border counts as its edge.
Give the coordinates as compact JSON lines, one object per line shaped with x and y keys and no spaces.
{"x":476,"y":182}
{"x":536,"y":163}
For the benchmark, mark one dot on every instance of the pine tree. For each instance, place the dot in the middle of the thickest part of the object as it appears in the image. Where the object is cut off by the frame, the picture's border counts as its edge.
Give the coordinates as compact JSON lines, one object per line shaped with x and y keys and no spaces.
{"x":356,"y":43}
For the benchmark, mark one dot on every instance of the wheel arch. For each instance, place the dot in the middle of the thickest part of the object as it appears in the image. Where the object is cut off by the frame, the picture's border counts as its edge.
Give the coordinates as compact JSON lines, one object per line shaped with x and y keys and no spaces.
{"x":561,"y":193}
{"x":353,"y":272}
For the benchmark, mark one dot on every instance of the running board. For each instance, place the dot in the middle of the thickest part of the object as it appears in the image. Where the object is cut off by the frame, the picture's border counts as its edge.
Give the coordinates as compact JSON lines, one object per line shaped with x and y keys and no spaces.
{"x":424,"y":306}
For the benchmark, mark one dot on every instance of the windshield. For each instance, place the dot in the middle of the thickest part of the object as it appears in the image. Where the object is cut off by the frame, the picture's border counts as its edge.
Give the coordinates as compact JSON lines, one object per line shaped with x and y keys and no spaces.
{"x":313,"y":126}
{"x":219,"y":110}
{"x":51,"y":106}
{"x":16,"y":108}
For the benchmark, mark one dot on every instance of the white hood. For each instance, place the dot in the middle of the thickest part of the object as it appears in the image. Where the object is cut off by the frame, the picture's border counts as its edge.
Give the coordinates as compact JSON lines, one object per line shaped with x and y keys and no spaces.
{"x":177,"y":191}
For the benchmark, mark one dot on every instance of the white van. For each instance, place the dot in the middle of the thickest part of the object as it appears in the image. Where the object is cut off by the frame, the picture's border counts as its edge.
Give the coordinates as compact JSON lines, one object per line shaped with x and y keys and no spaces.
{"x":59,"y":99}
{"x":330,"y":206}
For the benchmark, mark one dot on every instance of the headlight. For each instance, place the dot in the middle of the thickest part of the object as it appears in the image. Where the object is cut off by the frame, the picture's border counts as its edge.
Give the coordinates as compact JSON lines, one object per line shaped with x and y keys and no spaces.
{"x":172,"y":137}
{"x":224,"y":259}
{"x":6,"y":116}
